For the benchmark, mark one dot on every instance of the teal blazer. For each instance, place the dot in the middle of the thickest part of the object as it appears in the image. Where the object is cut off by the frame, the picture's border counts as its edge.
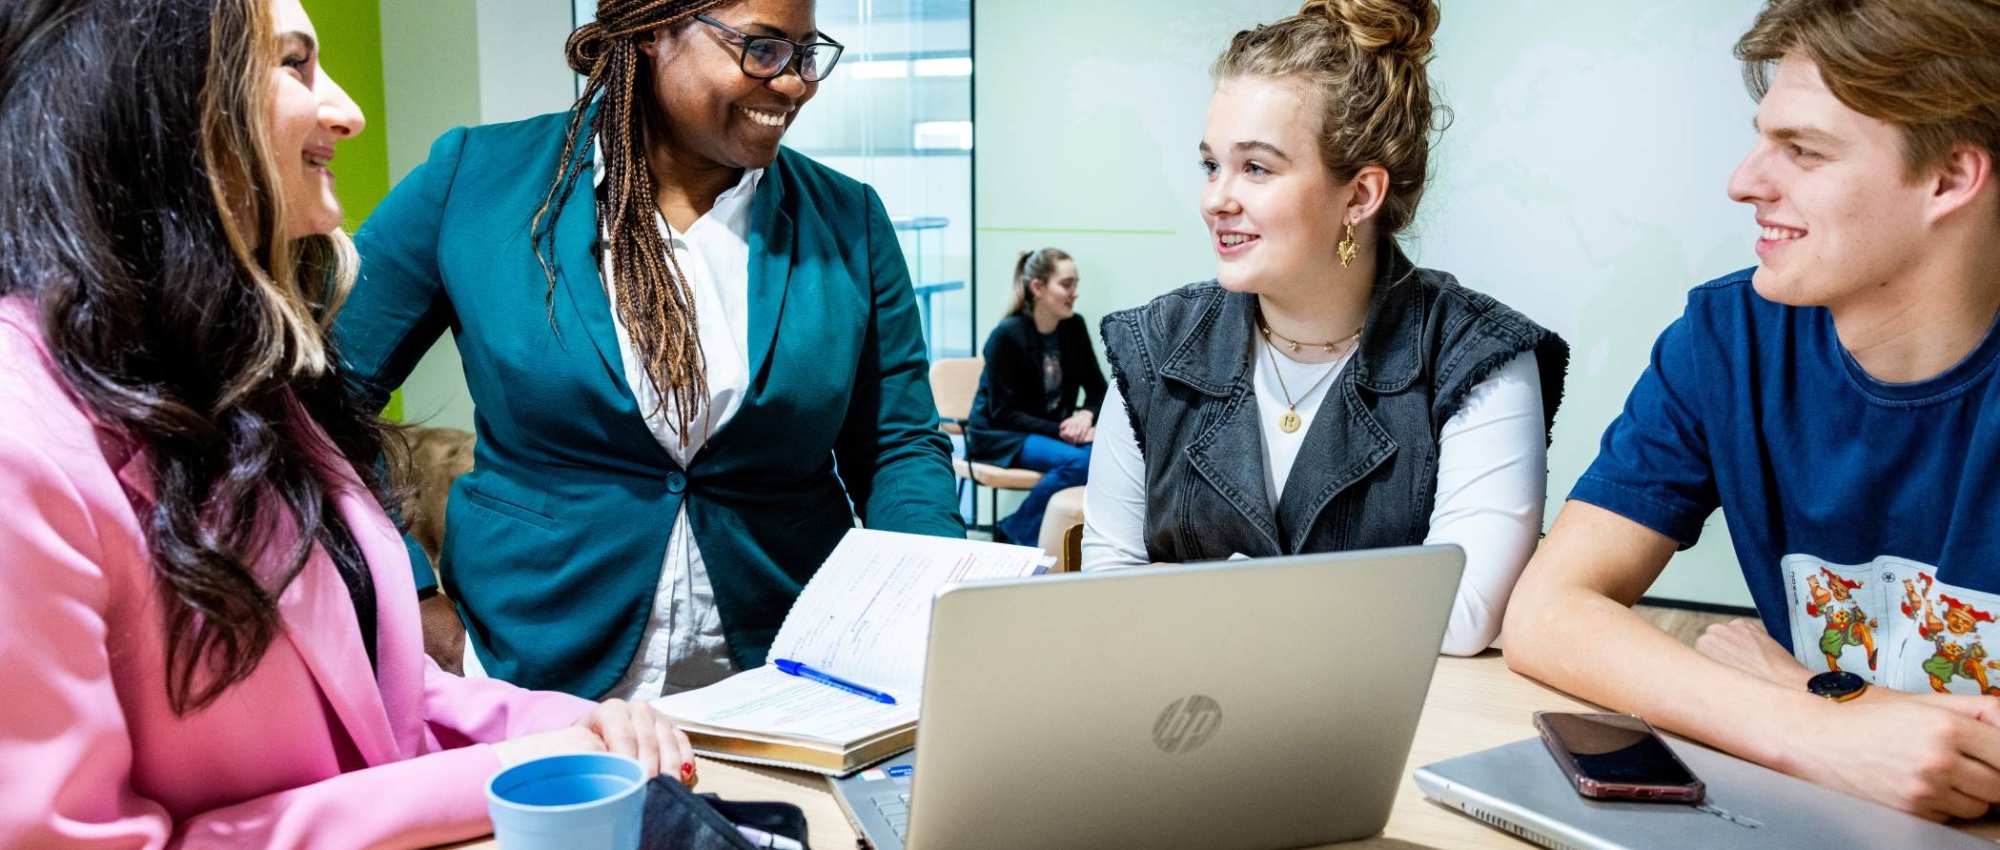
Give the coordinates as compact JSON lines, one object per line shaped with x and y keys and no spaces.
{"x":553,"y":543}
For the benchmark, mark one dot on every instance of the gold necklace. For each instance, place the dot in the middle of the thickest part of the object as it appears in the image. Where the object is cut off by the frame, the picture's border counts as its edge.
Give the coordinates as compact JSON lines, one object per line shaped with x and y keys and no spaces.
{"x":1289,"y":421}
{"x":1293,"y":345}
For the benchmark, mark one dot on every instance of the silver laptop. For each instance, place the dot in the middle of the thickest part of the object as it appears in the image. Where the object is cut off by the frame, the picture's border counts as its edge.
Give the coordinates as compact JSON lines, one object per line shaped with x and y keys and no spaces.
{"x":1250,"y":704}
{"x":1518,"y":788}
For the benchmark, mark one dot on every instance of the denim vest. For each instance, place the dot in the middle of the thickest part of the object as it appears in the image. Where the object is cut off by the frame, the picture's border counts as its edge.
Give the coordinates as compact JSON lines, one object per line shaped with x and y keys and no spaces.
{"x":1366,"y":474}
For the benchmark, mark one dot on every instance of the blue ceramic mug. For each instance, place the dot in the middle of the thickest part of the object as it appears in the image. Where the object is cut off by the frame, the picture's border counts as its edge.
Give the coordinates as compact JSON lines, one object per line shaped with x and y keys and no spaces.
{"x":577,"y":801}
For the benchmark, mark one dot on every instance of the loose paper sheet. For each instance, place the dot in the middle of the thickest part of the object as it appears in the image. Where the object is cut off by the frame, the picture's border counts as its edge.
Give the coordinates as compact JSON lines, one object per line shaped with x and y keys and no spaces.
{"x":864,"y":617}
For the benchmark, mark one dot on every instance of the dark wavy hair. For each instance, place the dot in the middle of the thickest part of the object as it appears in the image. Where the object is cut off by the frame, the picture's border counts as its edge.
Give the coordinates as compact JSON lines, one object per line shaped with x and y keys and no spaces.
{"x":142,"y":217}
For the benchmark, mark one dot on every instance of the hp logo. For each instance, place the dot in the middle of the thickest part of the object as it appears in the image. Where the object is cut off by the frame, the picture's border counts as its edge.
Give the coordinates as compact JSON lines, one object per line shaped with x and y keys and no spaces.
{"x":1187,"y":723}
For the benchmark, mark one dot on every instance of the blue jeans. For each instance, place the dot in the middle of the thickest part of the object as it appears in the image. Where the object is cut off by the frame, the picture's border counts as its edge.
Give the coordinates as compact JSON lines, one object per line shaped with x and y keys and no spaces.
{"x":1062,"y":466}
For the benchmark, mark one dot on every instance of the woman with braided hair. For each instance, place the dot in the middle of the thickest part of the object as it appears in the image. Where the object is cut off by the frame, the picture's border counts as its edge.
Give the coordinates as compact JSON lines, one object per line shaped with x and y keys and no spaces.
{"x":695,"y":356}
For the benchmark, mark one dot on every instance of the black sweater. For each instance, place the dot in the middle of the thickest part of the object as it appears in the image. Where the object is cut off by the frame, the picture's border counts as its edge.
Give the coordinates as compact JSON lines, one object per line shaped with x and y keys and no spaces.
{"x":1009,"y":404}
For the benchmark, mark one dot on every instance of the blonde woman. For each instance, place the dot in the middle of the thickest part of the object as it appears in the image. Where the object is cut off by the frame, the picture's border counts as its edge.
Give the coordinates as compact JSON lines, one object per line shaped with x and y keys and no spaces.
{"x":1323,"y":393}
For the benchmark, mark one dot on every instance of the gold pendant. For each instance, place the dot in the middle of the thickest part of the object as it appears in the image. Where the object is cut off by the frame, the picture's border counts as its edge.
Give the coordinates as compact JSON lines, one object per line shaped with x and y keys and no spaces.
{"x":1289,"y":421}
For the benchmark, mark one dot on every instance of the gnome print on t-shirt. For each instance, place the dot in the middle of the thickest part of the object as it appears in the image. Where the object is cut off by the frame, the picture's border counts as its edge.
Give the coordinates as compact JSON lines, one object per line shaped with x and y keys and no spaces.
{"x":1835,"y":613}
{"x":1893,"y":623}
{"x":1956,"y":631}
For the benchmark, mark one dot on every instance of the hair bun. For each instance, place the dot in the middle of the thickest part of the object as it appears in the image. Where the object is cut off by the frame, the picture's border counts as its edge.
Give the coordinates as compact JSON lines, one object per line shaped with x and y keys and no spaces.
{"x":1402,"y":27}
{"x":586,"y":47}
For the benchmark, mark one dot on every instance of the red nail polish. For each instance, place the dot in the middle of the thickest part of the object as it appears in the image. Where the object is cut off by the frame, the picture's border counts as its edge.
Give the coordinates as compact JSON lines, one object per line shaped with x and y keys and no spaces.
{"x":687,"y":771}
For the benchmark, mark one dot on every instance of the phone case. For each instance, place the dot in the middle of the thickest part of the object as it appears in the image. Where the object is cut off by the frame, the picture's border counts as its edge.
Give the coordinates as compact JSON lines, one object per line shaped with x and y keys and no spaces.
{"x":679,"y":819}
{"x":1693,"y":792}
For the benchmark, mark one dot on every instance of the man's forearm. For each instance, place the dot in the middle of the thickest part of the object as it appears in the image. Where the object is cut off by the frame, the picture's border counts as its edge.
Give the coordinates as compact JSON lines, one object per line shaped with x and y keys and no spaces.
{"x":1593,"y":647}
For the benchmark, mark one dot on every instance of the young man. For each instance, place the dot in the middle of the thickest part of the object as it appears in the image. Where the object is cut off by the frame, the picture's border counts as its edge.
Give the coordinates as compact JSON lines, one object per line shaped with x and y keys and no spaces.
{"x":1841,"y":402}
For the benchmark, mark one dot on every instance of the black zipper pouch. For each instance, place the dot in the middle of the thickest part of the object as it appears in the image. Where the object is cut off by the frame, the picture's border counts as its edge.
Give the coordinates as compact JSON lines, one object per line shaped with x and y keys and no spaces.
{"x":679,"y":819}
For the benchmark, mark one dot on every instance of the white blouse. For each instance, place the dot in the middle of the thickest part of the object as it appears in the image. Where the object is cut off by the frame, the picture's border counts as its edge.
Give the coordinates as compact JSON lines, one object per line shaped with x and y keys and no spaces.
{"x":1491,"y":482}
{"x":683,"y":646}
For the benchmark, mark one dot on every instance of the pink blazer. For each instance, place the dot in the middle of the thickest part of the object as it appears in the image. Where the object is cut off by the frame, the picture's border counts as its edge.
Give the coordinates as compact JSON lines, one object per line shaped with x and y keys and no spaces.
{"x":310,"y":750}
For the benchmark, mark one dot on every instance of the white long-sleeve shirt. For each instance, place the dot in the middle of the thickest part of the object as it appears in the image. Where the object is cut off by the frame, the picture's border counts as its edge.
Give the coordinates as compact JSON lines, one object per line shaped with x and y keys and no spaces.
{"x":683,"y":646}
{"x":1491,"y":482}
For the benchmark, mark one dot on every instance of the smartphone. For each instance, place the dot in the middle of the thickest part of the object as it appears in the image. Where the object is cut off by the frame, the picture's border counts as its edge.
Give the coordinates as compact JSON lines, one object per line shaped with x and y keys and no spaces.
{"x":1617,"y":757}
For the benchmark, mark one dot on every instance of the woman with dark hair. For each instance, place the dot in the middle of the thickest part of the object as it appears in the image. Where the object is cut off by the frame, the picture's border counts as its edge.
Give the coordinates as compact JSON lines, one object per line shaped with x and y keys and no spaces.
{"x":1038,"y":358}
{"x":695,"y":356}
{"x":199,"y":649}
{"x":1323,"y":393}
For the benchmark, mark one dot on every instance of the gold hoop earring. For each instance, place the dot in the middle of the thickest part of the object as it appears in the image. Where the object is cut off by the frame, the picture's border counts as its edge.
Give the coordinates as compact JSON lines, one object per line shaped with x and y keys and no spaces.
{"x":1348,"y":247}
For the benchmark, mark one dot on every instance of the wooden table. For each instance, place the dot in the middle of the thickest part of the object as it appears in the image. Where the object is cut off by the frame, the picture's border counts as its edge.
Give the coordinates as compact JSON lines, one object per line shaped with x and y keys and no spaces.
{"x":1474,"y":703}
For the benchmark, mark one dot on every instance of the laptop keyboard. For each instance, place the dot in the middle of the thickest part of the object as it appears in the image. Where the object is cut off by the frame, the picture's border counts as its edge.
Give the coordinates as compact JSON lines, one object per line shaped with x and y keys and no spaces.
{"x":895,"y":808}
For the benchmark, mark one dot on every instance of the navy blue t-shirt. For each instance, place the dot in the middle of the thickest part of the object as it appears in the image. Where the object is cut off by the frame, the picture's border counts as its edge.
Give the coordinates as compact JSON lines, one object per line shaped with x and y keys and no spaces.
{"x":1865,"y":515}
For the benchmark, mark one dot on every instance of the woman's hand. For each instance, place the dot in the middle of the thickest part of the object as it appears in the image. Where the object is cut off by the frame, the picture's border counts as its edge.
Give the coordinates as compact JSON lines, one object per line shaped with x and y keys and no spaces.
{"x":444,"y":634}
{"x":1077,"y":430}
{"x":631,"y":729}
{"x":555,"y":742}
{"x":634,"y":729}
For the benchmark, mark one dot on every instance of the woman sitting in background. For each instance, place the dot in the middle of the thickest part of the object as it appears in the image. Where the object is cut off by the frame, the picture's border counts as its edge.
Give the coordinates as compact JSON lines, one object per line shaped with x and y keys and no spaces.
{"x":209,"y":635}
{"x":1323,"y":393}
{"x":1025,"y":415}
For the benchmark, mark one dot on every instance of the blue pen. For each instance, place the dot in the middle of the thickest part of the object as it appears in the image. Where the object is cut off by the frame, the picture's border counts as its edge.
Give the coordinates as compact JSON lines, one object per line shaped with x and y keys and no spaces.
{"x":794,"y":668}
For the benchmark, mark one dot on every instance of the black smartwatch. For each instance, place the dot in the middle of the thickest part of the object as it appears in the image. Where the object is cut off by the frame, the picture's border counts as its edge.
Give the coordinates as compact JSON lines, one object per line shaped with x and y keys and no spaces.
{"x":1837,"y":685}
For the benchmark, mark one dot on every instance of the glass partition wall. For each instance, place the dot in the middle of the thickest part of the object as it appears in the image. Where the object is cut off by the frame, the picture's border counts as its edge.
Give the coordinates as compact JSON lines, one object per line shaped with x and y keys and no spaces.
{"x":897,"y":114}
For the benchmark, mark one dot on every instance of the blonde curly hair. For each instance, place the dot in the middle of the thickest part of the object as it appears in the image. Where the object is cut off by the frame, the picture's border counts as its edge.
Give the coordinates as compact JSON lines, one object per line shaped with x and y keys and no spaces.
{"x":1365,"y":60}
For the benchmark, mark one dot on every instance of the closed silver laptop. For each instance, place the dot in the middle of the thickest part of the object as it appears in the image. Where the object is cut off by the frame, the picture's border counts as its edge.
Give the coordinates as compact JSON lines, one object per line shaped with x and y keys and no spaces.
{"x":1519,"y":789}
{"x":1250,"y":704}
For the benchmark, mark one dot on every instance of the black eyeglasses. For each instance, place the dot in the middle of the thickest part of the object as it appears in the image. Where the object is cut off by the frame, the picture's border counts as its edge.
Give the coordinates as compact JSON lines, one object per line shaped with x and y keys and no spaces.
{"x":767,"y":56}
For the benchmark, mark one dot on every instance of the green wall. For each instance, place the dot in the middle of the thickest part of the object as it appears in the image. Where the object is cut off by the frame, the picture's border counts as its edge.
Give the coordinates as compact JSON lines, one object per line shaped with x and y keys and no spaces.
{"x":350,"y":37}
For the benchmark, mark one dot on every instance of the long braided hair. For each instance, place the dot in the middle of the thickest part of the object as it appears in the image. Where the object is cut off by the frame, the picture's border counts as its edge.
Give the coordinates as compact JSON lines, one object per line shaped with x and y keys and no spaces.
{"x":653,"y":298}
